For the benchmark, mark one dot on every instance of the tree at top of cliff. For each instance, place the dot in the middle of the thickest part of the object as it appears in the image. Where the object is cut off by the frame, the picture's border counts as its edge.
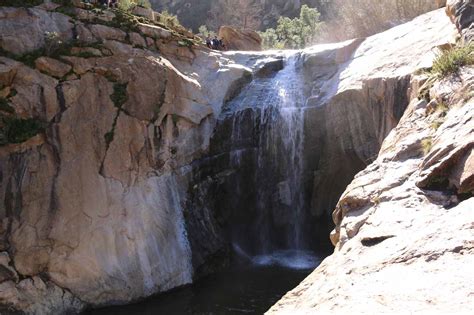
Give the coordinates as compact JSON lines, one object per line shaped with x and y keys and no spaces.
{"x":294,"y":33}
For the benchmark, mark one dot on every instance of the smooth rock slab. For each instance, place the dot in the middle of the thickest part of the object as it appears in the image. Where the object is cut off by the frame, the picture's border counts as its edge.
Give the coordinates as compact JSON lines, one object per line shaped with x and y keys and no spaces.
{"x":52,"y":67}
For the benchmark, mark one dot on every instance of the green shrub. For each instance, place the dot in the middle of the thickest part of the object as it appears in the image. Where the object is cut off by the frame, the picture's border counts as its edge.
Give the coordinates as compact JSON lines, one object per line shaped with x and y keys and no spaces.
{"x":125,"y":21}
{"x":294,"y":33}
{"x":17,"y":130}
{"x":144,"y":3}
{"x":185,"y":43}
{"x":451,"y":60}
{"x":169,"y":20}
{"x":205,"y":32}
{"x":119,"y":96}
{"x":126,"y":5}
{"x":109,"y":137}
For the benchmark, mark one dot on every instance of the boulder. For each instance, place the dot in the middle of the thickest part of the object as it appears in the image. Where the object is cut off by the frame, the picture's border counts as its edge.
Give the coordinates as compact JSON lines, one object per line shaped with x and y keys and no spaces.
{"x":84,"y":35}
{"x":52,"y":67}
{"x":154,"y":31}
{"x":86,"y":51}
{"x":240,"y":39}
{"x":103,"y":32}
{"x":27,"y":33}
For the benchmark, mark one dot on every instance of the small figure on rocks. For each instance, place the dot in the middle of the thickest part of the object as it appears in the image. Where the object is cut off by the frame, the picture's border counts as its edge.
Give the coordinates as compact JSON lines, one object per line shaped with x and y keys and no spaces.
{"x":208,"y":42}
{"x":215,"y":43}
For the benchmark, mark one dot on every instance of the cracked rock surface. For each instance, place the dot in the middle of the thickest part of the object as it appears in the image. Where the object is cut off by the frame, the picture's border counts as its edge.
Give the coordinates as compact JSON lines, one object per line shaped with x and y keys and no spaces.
{"x":404,"y":232}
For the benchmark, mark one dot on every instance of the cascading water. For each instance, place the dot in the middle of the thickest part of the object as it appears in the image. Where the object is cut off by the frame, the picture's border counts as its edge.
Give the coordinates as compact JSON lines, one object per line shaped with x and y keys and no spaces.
{"x":249,"y":189}
{"x":276,"y":105}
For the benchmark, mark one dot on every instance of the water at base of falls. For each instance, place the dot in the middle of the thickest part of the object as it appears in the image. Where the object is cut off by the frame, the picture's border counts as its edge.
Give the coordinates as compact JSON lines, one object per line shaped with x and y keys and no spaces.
{"x":249,"y":289}
{"x":292,"y":259}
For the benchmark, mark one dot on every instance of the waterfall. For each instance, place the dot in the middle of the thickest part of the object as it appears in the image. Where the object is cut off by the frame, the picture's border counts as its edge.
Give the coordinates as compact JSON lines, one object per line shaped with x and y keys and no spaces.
{"x":291,"y":110}
{"x":273,"y":108}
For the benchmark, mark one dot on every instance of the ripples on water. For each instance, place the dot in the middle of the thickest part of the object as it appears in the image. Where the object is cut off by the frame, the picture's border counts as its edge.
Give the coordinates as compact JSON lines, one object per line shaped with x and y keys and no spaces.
{"x":246,"y":289}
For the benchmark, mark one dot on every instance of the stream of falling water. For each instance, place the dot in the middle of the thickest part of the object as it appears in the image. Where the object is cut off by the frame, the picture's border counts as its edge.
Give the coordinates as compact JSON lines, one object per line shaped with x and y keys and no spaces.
{"x":280,"y":102}
{"x":291,"y":108}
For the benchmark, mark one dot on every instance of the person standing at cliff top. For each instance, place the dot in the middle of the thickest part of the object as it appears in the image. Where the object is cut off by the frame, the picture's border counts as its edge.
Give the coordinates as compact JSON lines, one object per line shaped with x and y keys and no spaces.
{"x":215,"y":43}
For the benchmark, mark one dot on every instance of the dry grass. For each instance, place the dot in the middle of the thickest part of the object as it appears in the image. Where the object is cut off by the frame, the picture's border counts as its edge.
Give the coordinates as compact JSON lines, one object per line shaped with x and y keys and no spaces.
{"x":427,"y":145}
{"x":450,"y":61}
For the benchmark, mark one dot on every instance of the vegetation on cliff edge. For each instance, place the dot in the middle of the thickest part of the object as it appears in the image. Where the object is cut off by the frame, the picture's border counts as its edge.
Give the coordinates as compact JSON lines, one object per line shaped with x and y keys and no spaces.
{"x":294,"y":33}
{"x":451,"y":60}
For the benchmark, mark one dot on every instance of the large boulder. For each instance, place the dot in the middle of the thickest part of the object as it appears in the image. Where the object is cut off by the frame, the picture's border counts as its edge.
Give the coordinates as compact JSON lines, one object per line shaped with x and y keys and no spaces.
{"x":52,"y":67}
{"x":240,"y":39}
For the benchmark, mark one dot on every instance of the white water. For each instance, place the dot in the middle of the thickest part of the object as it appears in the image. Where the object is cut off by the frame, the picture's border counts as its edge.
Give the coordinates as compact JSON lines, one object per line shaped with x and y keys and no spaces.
{"x":291,"y":103}
{"x":281,"y":103}
{"x":291,"y":259}
{"x":285,"y":94}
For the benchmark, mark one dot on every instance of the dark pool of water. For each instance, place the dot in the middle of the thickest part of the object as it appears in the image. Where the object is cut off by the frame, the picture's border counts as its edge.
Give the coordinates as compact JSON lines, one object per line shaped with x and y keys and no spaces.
{"x":245,"y":289}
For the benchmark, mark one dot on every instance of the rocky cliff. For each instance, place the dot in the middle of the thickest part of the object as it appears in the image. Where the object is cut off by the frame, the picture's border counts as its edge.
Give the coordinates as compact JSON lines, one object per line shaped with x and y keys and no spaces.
{"x":404,"y":226}
{"x":130,"y":154}
{"x":97,"y":137}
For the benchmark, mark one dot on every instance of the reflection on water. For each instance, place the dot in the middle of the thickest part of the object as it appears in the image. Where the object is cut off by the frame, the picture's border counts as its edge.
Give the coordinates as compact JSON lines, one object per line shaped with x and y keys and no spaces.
{"x":248,"y":289}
